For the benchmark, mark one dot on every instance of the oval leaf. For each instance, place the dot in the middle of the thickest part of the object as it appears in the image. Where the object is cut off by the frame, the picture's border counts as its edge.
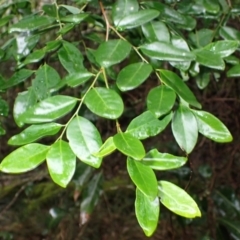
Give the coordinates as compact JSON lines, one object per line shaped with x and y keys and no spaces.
{"x":163,"y":161}
{"x":211,"y":127}
{"x":104,"y":102}
{"x":185,"y":128}
{"x":234,"y":71}
{"x":107,"y":148}
{"x":61,"y":162}
{"x":129,"y":145}
{"x":177,"y":200}
{"x":143,"y":177}
{"x":147,"y":212}
{"x":84,"y":140}
{"x":24,"y":158}
{"x":133,"y":75}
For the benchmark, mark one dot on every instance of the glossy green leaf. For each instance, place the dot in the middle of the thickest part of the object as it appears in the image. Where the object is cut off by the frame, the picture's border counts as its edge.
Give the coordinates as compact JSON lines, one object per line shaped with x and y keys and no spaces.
{"x":211,"y":127}
{"x":203,"y":79}
{"x":133,"y":75}
{"x":49,"y":109}
{"x":46,"y":78}
{"x":209,"y":59}
{"x":185,"y":128}
{"x":234,"y":71}
{"x":104,"y":102}
{"x":71,"y":9}
{"x":34,"y":57}
{"x":123,"y":8}
{"x":24,"y":158}
{"x":223,"y":48}
{"x":4,"y":109}
{"x":107,"y":148}
{"x":136,"y":19}
{"x":163,"y":161}
{"x":232,"y":60}
{"x":229,"y":33}
{"x":166,"y":52}
{"x":160,"y":100}
{"x":84,"y":140}
{"x":129,"y":145}
{"x":17,"y":78}
{"x":173,"y":81}
{"x":61,"y":162}
{"x":147,"y":125}
{"x":147,"y":212}
{"x":70,"y":57}
{"x":211,"y":6}
{"x":52,"y":45}
{"x":67,"y":27}
{"x":74,"y":18}
{"x":77,"y":78}
{"x":143,"y":177}
{"x":202,"y":37}
{"x":177,"y":200}
{"x":112,"y":52}
{"x":50,"y":10}
{"x":34,"y":132}
{"x":156,"y":31}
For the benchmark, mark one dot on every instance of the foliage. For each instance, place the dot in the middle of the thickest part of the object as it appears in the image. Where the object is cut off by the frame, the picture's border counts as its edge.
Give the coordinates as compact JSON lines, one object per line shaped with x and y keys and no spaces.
{"x":118,"y":49}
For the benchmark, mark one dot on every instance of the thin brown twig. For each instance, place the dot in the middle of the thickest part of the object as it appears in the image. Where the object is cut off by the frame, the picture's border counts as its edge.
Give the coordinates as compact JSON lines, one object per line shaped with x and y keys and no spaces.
{"x":106,"y":20}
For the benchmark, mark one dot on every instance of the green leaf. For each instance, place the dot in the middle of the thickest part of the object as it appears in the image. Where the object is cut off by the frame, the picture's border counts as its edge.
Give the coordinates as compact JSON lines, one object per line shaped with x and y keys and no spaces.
{"x":147,"y":212}
{"x":223,"y":48}
{"x":185,"y":128}
{"x":147,"y":125}
{"x":4,"y":109}
{"x":209,"y":59}
{"x":30,"y":23}
{"x":177,"y":200}
{"x":123,"y":8}
{"x":143,"y":177}
{"x":163,"y":161}
{"x":74,"y":18}
{"x":129,"y":145}
{"x":160,"y":100}
{"x":5,"y":20}
{"x":77,"y":78}
{"x":133,"y":75}
{"x":34,"y":57}
{"x":107,"y":148}
{"x":156,"y":31}
{"x":70,"y":57}
{"x":202,"y":37}
{"x":166,"y":52}
{"x":211,"y":127}
{"x":112,"y":52}
{"x":234,"y":71}
{"x":232,"y":60}
{"x":49,"y":109}
{"x":173,"y":81}
{"x":52,"y":45}
{"x":17,"y":78}
{"x":84,"y":140}
{"x":211,"y":6}
{"x":71,"y":9}
{"x":34,"y":132}
{"x":203,"y":79}
{"x":46,"y":78}
{"x":104,"y":102}
{"x":24,"y":158}
{"x":136,"y":19}
{"x":61,"y":162}
{"x":229,"y":33}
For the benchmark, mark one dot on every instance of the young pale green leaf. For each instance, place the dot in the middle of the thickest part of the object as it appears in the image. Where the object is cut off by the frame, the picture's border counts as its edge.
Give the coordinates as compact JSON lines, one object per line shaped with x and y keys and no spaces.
{"x":156,"y":31}
{"x":234,"y":71}
{"x":177,"y":200}
{"x":46,"y":78}
{"x":229,"y":33}
{"x":173,"y":81}
{"x":34,"y":132}
{"x":133,"y":75}
{"x":107,"y":148}
{"x":185,"y":128}
{"x":34,"y":57}
{"x":104,"y":102}
{"x":163,"y":161}
{"x":136,"y":19}
{"x":143,"y":177}
{"x":147,"y":125}
{"x":166,"y":52}
{"x":70,"y":57}
{"x":61,"y":162}
{"x":17,"y":78}
{"x":147,"y":212}
{"x":160,"y":100}
{"x":49,"y":109}
{"x":129,"y":145}
{"x":122,"y":9}
{"x":211,"y":127}
{"x":77,"y":78}
{"x":112,"y":52}
{"x":223,"y":48}
{"x":24,"y":158}
{"x":84,"y":140}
